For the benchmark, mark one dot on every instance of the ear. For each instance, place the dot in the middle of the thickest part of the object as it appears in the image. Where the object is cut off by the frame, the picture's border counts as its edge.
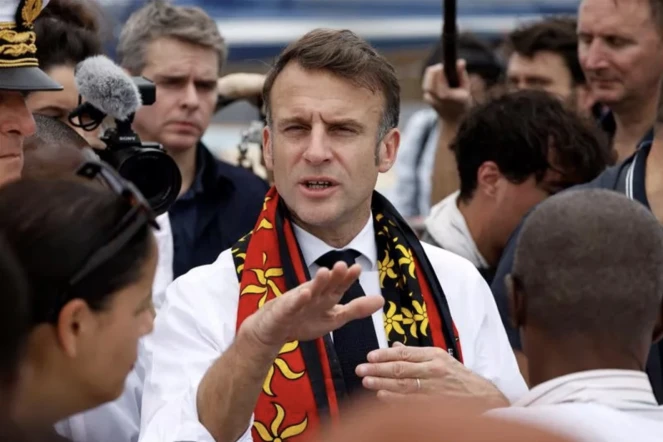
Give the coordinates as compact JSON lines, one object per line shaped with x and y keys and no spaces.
{"x":74,"y":321}
{"x":388,"y":149}
{"x":584,"y":99}
{"x":488,"y":178}
{"x":267,"y":152}
{"x":517,"y":302}
{"x":658,"y":326}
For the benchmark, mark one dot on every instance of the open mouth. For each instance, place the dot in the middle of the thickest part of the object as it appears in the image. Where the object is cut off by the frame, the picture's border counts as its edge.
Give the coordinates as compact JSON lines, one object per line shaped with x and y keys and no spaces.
{"x":318,"y":185}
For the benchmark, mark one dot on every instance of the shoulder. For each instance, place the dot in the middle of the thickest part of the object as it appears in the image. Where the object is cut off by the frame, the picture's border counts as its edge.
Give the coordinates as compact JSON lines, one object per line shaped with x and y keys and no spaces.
{"x":449,"y":265}
{"x":244,"y":179}
{"x":217,"y":280}
{"x":589,"y":421}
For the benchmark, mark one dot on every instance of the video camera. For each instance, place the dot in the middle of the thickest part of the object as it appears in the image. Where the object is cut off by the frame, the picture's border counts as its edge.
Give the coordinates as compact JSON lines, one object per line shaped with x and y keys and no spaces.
{"x":154,"y":173}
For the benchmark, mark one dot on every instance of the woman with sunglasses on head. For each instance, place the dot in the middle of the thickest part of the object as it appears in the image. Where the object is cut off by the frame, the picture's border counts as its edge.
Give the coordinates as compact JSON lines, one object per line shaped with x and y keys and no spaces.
{"x":90,"y":257}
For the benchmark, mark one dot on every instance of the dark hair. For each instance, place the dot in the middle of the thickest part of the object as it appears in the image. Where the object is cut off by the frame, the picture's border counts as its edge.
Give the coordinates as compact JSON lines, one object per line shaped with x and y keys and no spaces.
{"x":480,"y":58}
{"x":13,"y":316}
{"x":51,"y":131}
{"x":518,"y":131}
{"x":55,"y":150}
{"x":54,"y":226}
{"x":555,"y":34}
{"x":68,"y":32}
{"x":344,"y":54}
{"x":591,"y":262}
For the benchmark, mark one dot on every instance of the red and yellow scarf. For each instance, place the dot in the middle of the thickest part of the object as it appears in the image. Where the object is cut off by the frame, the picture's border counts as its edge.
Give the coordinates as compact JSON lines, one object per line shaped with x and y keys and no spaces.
{"x":304,"y":385}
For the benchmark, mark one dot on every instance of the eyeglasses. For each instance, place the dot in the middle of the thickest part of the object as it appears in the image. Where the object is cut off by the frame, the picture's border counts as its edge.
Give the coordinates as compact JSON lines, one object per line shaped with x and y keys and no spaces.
{"x":138,"y":216}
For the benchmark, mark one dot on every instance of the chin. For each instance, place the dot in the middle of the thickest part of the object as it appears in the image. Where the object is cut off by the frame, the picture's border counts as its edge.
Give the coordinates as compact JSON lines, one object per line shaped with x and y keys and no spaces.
{"x":607,"y":96}
{"x":179,"y":142}
{"x":316,"y":216}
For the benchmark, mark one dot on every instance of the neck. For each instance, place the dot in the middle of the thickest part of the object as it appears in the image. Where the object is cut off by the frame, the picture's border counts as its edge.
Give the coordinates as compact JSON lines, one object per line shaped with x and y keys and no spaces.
{"x":475,"y":219}
{"x":186,"y":162}
{"x":655,"y":157}
{"x":46,"y":398}
{"x":337,"y":237}
{"x":633,"y":120}
{"x":552,"y":358}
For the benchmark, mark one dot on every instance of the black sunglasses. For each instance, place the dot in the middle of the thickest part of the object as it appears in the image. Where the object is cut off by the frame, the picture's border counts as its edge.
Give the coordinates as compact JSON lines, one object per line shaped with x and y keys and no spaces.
{"x":139,"y":214}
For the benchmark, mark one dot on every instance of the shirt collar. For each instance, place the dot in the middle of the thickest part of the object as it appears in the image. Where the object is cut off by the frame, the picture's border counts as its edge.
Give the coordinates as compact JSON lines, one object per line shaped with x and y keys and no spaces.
{"x":621,"y":389}
{"x":313,"y":247}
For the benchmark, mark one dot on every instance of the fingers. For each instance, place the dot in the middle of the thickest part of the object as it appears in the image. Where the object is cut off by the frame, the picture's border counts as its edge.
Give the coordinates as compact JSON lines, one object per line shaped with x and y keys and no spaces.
{"x":391,"y":396}
{"x":403,"y":353}
{"x":393,"y":370}
{"x":359,"y":308}
{"x":435,"y":82}
{"x":343,"y":277}
{"x":402,"y":386}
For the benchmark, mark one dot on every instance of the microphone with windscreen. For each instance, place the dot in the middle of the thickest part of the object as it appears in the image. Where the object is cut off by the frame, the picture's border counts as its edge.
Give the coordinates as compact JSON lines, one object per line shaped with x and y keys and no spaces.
{"x":108,"y":91}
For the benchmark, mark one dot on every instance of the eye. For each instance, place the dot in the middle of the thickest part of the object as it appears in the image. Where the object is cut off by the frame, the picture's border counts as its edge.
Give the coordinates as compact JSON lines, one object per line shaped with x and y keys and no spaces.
{"x":343,"y":130}
{"x":615,"y":41}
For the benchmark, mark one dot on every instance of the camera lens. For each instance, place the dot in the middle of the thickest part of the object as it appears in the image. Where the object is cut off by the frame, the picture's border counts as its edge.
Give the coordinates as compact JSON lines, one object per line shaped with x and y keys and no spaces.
{"x":156,"y":176}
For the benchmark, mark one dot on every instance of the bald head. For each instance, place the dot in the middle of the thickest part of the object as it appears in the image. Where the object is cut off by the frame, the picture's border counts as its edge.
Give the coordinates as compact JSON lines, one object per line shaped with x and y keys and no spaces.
{"x":55,"y":150}
{"x":590,"y":264}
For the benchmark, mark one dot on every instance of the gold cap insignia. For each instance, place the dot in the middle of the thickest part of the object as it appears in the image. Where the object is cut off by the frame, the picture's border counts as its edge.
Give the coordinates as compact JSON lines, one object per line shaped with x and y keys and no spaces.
{"x":18,"y":41}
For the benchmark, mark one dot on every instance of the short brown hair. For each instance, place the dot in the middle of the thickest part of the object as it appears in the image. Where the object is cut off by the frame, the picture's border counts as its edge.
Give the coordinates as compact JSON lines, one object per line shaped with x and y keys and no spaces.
{"x":557,"y":35}
{"x":347,"y":56}
{"x":160,"y":19}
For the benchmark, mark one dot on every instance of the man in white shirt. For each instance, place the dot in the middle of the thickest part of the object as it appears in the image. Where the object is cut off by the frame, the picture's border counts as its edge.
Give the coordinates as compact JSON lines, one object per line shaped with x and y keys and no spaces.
{"x":228,"y":347}
{"x":586,"y":292}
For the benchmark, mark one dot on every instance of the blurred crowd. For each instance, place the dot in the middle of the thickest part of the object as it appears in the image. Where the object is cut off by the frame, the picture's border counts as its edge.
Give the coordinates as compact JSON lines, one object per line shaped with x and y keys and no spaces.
{"x":508,"y":287}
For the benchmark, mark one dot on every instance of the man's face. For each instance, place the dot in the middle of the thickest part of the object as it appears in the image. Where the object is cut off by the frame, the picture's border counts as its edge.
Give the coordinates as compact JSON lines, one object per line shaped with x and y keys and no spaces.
{"x":545,"y":71}
{"x":513,"y":201}
{"x":620,"y":50}
{"x":59,"y":104}
{"x":325,"y":130}
{"x":16,"y":123}
{"x":185,"y":76}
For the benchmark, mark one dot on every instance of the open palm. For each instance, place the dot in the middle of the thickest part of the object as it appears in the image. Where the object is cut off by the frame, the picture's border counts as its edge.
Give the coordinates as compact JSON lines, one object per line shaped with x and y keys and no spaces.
{"x":312,"y":310}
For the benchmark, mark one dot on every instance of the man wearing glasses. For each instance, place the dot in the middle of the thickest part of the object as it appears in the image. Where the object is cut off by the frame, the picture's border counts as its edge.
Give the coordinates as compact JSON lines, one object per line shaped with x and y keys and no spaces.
{"x":19,"y":75}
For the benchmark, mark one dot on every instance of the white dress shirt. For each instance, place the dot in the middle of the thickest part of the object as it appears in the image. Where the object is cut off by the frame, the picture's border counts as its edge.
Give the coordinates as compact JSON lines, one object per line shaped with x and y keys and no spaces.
{"x":197,"y":324}
{"x":595,"y":405}
{"x":119,"y":421}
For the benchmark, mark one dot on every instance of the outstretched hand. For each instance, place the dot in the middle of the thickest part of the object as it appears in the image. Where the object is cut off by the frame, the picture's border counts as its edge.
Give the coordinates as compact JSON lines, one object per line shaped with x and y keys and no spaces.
{"x":312,"y":310}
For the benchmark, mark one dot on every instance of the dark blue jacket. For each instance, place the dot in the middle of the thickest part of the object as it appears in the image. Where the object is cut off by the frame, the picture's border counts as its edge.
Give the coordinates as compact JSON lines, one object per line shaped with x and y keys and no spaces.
{"x":221,"y":206}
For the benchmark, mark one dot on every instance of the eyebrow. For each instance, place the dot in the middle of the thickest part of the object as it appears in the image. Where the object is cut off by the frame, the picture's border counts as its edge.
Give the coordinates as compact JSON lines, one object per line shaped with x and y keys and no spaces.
{"x":51,"y":108}
{"x":339,"y":122}
{"x":173,"y":77}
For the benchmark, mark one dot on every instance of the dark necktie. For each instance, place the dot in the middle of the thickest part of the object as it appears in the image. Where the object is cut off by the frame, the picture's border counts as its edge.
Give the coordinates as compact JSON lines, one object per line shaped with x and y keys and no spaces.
{"x":357,"y":338}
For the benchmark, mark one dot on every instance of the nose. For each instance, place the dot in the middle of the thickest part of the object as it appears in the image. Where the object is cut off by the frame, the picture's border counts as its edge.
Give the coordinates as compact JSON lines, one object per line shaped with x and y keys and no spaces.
{"x":317,"y":151}
{"x":16,"y":118}
{"x":190,"y":96}
{"x":592,"y":56}
{"x":148,"y":325}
